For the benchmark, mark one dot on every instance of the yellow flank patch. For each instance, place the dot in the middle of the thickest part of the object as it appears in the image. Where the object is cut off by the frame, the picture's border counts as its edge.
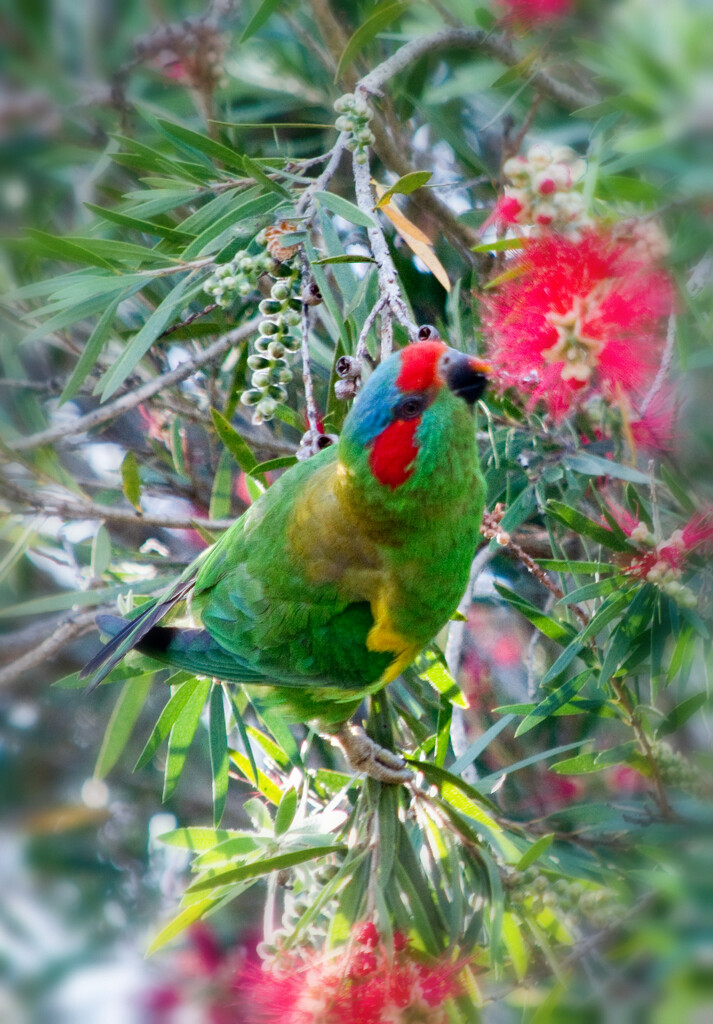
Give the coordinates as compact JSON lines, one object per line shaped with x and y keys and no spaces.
{"x":383,"y":637}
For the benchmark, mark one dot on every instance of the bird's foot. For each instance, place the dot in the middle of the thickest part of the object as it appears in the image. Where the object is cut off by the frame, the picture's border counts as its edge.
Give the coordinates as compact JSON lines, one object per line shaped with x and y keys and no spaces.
{"x":364,"y":755}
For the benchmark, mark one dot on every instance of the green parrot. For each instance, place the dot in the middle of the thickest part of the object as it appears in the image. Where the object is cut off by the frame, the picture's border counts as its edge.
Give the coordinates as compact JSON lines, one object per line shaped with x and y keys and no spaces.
{"x":330,"y":584}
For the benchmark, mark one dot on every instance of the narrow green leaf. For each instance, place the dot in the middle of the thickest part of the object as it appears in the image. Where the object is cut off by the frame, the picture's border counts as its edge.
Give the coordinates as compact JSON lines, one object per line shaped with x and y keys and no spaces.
{"x":515,"y":944}
{"x":346,"y":257}
{"x":476,"y":748}
{"x":199,"y":840}
{"x":221,"y":493}
{"x":92,"y":349}
{"x":203,"y":144}
{"x":560,"y":632}
{"x":264,"y":784}
{"x":681,"y":713}
{"x":263,"y":867}
{"x":253,"y":168}
{"x":168,"y":716}
{"x":218,"y":752}
{"x":343,"y":208}
{"x":66,"y":249}
{"x":130,"y":480}
{"x":192,"y":913}
{"x":286,"y":810}
{"x":593,"y":465}
{"x":233,"y":696}
{"x":614,"y":539}
{"x":265,"y":11}
{"x":144,"y":339}
{"x":235,"y":444}
{"x":181,"y":735}
{"x":443,"y":682}
{"x":101,"y":551}
{"x":502,"y":245}
{"x":146,"y":227}
{"x":551,"y":704}
{"x":266,"y":467}
{"x":535,"y":851}
{"x":123,"y":718}
{"x":406,"y":184}
{"x":384,"y":14}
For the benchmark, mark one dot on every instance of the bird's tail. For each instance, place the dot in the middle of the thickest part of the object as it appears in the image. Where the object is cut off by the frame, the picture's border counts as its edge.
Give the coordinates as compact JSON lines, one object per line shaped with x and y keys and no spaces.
{"x":131,"y":633}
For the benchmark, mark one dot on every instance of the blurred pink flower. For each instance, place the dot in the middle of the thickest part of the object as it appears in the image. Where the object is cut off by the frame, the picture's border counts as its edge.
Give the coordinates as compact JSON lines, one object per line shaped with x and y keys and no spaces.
{"x":534,"y":12}
{"x":575,"y":317}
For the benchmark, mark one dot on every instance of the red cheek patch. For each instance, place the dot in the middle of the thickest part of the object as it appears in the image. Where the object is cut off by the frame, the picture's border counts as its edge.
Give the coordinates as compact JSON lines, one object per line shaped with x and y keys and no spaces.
{"x":419,"y":364}
{"x":393,"y":453}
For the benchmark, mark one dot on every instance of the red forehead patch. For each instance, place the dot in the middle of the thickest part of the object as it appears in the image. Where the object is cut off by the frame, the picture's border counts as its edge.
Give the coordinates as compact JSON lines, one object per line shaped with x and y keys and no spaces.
{"x":419,"y":363}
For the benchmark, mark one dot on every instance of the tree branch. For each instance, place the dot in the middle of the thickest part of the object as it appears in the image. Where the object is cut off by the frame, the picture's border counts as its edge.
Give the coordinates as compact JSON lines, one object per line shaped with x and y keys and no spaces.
{"x":473,"y":39}
{"x":133,"y":398}
{"x":58,"y":635}
{"x":77,"y":509}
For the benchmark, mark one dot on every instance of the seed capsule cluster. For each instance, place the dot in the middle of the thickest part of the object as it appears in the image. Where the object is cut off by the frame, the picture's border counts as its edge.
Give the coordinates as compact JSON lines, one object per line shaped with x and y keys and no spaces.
{"x":564,"y":898}
{"x":275,"y":342}
{"x":354,"y":117}
{"x":238,"y":278}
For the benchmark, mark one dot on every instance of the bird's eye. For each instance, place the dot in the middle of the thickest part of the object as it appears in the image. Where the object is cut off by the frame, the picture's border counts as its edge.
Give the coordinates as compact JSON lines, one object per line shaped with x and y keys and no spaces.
{"x":410,"y":407}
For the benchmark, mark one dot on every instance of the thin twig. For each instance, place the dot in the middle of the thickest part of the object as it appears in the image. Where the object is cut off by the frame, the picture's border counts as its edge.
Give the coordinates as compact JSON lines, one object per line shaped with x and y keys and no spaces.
{"x":473,"y":39}
{"x":133,"y":398}
{"x":310,"y":405}
{"x":361,"y":349}
{"x":380,"y":250}
{"x":35,"y":502}
{"x":59,"y":635}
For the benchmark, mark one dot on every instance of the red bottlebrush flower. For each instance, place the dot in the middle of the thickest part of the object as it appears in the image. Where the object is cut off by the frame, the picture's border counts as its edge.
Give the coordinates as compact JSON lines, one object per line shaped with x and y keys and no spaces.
{"x":366,"y":934}
{"x":655,"y":430}
{"x":534,"y":12}
{"x":576,"y":317}
{"x":356,"y":986}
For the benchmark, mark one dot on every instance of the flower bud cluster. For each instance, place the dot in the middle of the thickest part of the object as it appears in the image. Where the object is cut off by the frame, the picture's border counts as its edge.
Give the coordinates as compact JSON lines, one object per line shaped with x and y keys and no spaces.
{"x":354,"y":117}
{"x":563,"y":898}
{"x":663,"y":565}
{"x":676,"y":770}
{"x":543,"y":191}
{"x":238,"y":278}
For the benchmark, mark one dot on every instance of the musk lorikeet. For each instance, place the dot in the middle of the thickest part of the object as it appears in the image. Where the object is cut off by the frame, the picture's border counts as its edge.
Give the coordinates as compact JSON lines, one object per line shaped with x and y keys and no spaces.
{"x":335,"y":578}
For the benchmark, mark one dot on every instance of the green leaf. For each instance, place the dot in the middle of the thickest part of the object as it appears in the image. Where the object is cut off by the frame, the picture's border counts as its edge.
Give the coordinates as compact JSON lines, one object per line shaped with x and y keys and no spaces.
{"x":209,"y":147}
{"x":593,"y":465}
{"x":263,"y":867}
{"x":166,"y":719}
{"x":144,"y":339}
{"x":222,"y":490}
{"x":347,"y":257}
{"x":265,"y":11}
{"x":218,"y":752}
{"x":101,"y":551}
{"x":535,"y":851}
{"x":146,"y":227}
{"x":515,"y":944}
{"x":199,"y":840}
{"x":280,"y":463}
{"x":235,"y":444}
{"x":92,"y":349}
{"x":552,"y":702}
{"x":66,"y":249}
{"x":264,"y":784}
{"x":343,"y":208}
{"x":681,"y":713}
{"x":253,"y":168}
{"x":560,"y":632}
{"x":613,"y":539}
{"x":384,"y":14}
{"x":488,"y":780}
{"x":130,"y":480}
{"x":478,"y":745}
{"x":286,"y":810}
{"x":123,"y":718}
{"x":406,"y":184}
{"x":502,"y":245}
{"x":443,"y":682}
{"x":181,"y":735}
{"x":192,"y":913}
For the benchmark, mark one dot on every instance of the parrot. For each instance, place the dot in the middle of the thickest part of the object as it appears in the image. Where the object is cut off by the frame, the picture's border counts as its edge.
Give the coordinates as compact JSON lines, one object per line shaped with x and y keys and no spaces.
{"x":336,"y":577}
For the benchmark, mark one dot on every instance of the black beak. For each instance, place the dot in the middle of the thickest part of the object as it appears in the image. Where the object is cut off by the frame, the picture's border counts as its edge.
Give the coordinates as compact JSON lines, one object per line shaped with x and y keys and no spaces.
{"x":465,"y":375}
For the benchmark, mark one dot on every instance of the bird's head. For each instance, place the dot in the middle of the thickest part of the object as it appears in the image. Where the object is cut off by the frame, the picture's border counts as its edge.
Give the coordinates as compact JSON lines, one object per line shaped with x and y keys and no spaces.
{"x":413,"y":413}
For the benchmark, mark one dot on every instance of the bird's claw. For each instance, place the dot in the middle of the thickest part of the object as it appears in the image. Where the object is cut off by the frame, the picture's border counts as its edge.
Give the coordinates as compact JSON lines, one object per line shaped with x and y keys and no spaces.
{"x":364,"y":755}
